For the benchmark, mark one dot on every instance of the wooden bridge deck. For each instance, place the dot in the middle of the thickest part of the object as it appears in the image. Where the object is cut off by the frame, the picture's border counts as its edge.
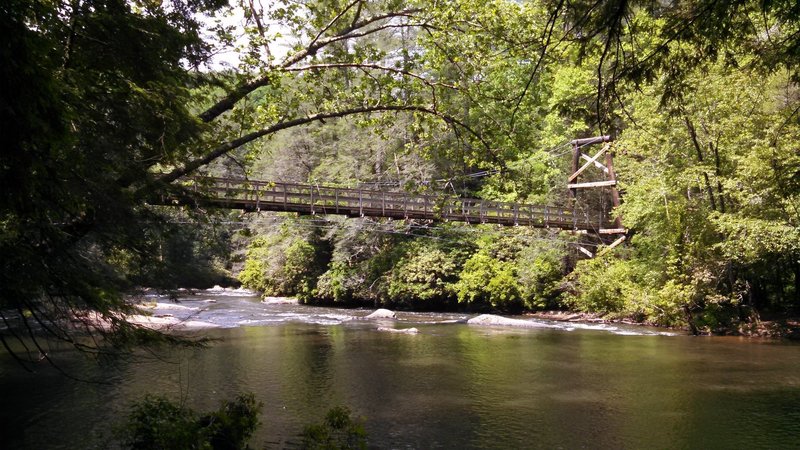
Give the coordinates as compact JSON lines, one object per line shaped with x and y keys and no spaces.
{"x":252,"y":195}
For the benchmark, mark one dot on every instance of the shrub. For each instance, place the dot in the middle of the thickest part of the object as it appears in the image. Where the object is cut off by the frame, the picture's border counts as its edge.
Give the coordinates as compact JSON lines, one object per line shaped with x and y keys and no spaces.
{"x":156,"y":423}
{"x":338,"y":431}
{"x":284,"y":263}
{"x":424,"y":274}
{"x":540,"y":273}
{"x":487,"y":281}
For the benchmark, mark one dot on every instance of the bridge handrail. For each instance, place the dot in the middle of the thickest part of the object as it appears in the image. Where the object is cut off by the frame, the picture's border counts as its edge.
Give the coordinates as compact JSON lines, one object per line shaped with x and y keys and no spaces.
{"x":330,"y":199}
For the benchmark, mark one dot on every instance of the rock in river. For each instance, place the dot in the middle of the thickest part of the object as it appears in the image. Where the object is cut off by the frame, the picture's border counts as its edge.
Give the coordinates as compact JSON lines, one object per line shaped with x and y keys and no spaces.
{"x":492,"y":320}
{"x":382,"y":314}
{"x":399,"y":330}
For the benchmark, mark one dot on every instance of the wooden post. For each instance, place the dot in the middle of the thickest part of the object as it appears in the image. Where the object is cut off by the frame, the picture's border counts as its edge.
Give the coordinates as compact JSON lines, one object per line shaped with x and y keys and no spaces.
{"x":612,"y":176}
{"x":576,"y":160}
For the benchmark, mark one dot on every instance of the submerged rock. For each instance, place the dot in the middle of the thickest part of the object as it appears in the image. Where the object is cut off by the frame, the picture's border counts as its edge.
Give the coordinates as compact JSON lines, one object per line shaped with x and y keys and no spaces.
{"x":399,"y":330}
{"x":382,"y":314}
{"x":493,"y":320}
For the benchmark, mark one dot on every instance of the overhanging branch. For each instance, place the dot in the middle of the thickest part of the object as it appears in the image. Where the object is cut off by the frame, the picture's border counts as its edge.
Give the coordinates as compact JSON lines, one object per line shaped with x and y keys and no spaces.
{"x":236,"y":143}
{"x":355,"y":30}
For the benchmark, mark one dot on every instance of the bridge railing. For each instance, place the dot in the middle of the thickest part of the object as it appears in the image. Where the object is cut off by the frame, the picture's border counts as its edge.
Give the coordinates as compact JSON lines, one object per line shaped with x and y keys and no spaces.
{"x":313,"y":199}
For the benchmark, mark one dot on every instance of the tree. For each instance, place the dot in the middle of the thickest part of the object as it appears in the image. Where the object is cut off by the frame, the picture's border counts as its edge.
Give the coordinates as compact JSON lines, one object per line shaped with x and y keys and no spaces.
{"x":94,"y":93}
{"x":107,"y":111}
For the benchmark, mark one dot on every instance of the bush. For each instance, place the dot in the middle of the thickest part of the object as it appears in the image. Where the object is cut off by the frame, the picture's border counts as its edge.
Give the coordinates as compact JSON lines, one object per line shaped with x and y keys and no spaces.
{"x":229,"y":427}
{"x":599,"y":285}
{"x":156,"y":423}
{"x":287,"y":263}
{"x":334,"y":285}
{"x":425,"y":274}
{"x":300,"y":276}
{"x":624,"y":288}
{"x":540,"y":273}
{"x":487,"y":281}
{"x":338,"y":431}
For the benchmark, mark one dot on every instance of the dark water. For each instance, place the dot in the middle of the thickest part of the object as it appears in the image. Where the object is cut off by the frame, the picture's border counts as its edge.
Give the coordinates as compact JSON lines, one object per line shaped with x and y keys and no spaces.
{"x":452,"y":385}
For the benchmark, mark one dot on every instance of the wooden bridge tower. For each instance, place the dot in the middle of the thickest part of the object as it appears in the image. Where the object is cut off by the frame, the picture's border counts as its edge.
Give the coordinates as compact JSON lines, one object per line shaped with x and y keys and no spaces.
{"x":608,"y":181}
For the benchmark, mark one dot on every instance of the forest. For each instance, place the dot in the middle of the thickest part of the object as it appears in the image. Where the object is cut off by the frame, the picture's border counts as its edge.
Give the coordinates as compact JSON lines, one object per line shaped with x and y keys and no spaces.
{"x":108,"y":105}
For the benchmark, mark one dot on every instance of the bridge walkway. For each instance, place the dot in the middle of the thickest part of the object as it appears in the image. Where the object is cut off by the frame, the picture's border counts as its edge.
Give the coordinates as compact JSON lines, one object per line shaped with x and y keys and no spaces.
{"x":250,"y":195}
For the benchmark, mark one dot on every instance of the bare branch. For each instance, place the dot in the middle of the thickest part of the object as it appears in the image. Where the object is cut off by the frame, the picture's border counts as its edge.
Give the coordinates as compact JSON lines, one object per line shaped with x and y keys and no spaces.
{"x":333,"y":21}
{"x":357,"y":15}
{"x":352,"y":34}
{"x":260,"y":26}
{"x":371,"y":66}
{"x":548,"y":32}
{"x":232,"y":98}
{"x":240,"y":91}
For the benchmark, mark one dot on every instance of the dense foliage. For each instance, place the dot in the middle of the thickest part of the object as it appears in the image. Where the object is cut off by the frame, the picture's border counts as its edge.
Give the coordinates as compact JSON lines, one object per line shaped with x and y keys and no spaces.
{"x":400,"y":266}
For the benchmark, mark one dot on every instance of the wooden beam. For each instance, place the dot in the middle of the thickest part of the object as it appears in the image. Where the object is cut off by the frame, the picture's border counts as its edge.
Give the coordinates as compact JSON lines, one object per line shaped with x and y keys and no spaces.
{"x":614,"y":192}
{"x":613,"y":244}
{"x":586,"y":252}
{"x":596,"y":163}
{"x":589,"y":163}
{"x":591,"y":140}
{"x":592,"y":184}
{"x":612,"y":231}
{"x":576,"y":161}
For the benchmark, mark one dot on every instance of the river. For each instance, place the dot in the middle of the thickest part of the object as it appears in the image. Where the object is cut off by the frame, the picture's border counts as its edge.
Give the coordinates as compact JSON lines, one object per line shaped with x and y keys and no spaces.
{"x":451,"y":385}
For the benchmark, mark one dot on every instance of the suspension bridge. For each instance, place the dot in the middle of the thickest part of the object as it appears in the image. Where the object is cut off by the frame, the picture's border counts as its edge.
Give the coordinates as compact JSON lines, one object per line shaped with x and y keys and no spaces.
{"x":254,"y":195}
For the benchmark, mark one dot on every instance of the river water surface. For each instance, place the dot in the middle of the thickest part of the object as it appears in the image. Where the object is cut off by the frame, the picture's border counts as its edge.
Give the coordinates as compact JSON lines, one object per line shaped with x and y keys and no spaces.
{"x":451,"y":385}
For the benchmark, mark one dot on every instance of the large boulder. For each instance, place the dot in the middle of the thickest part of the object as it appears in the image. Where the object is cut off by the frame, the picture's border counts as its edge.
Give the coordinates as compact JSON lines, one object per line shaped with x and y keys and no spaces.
{"x":382,"y":314}
{"x":493,"y":320}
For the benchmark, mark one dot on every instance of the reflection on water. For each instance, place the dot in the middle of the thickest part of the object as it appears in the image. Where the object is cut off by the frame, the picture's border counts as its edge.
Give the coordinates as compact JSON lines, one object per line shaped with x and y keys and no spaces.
{"x":451,"y":385}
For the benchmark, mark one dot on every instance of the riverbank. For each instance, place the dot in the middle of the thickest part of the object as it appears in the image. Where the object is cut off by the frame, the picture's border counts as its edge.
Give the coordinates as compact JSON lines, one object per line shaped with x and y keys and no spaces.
{"x":775,"y":328}
{"x":165,"y":316}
